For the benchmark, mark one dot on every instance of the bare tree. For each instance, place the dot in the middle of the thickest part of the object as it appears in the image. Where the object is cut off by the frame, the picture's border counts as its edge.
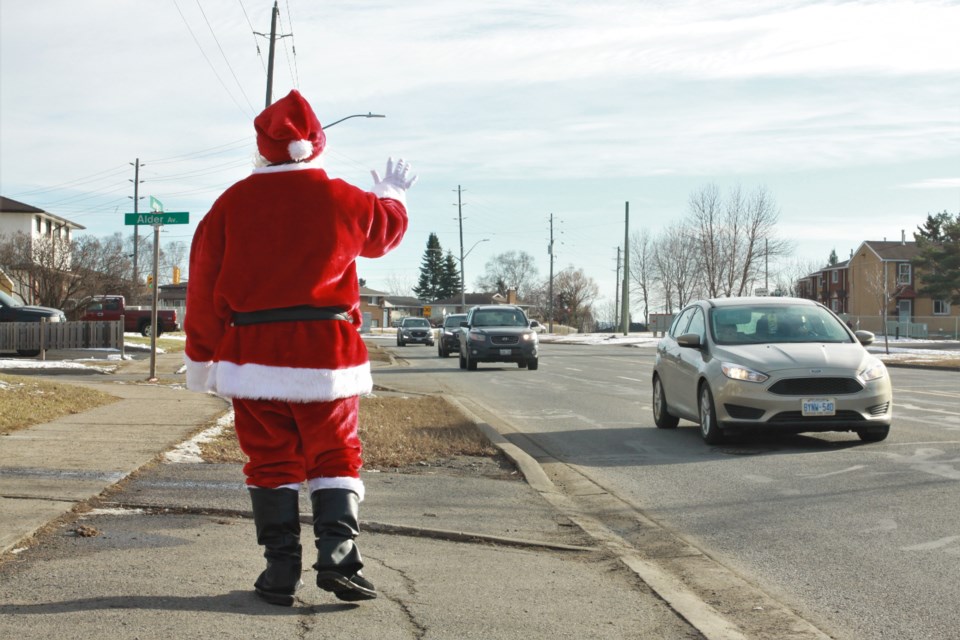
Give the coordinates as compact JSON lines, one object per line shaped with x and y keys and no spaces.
{"x":709,"y":228}
{"x":173,"y":254}
{"x":642,"y":268}
{"x":509,"y":270}
{"x":787,"y":275}
{"x":574,"y":294}
{"x":880,"y":288}
{"x":677,"y":265}
{"x":398,"y":284}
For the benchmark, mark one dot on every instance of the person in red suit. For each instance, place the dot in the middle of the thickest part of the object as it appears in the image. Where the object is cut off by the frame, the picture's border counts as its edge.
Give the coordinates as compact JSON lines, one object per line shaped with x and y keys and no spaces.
{"x":272,"y":324}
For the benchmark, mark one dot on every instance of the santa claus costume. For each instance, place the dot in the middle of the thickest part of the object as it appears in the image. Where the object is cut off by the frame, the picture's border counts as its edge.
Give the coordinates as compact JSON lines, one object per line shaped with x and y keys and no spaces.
{"x":273,"y":301}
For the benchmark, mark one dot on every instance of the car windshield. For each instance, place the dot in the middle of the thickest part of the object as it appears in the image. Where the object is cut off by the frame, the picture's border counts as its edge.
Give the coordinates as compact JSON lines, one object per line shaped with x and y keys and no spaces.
{"x":453,"y":321}
{"x":775,"y":323}
{"x":417,"y":322}
{"x":8,"y":301}
{"x":498,"y":318}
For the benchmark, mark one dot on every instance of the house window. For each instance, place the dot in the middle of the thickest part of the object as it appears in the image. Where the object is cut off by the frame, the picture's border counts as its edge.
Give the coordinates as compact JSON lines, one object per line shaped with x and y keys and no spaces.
{"x":49,"y":232}
{"x":941,"y":308}
{"x":39,"y":224}
{"x":903,"y":273}
{"x":834,"y":305}
{"x":834,"y":276}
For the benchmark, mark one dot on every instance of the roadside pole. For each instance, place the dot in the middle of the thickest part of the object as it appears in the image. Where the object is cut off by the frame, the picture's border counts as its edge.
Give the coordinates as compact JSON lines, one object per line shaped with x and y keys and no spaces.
{"x":153,"y":306}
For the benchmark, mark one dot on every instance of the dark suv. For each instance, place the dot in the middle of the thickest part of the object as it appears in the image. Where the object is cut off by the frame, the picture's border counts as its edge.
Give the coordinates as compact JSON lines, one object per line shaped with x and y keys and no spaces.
{"x":449,"y":339}
{"x":498,"y":333}
{"x":416,"y":330}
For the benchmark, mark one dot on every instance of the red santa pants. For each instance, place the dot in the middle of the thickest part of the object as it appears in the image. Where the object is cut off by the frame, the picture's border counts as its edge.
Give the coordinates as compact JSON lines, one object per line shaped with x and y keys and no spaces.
{"x":290,"y":442}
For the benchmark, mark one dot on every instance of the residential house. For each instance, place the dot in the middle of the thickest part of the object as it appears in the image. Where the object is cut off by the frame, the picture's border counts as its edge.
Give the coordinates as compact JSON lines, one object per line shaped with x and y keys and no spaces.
{"x":372,"y":302}
{"x":880,"y":272}
{"x":457,"y":304}
{"x":17,"y":217}
{"x":396,"y":308}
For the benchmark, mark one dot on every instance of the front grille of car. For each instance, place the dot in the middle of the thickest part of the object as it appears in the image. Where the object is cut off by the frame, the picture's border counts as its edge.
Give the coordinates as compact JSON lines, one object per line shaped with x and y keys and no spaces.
{"x":739,"y":412}
{"x":816,"y":387}
{"x":878,"y":409}
{"x":418,"y":334}
{"x":504,"y":339}
{"x":797,"y":416}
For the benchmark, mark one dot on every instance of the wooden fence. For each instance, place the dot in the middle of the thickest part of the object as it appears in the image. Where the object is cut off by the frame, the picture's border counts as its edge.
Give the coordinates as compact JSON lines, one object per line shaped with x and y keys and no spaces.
{"x":38,"y":337}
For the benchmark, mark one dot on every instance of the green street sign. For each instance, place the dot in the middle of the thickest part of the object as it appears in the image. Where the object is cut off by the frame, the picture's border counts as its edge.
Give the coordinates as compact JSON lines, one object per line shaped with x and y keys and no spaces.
{"x":163,"y":217}
{"x":155,"y":204}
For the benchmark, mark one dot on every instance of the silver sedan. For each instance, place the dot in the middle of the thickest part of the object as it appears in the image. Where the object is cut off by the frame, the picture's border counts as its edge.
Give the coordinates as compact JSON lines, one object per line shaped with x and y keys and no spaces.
{"x":769,"y":363}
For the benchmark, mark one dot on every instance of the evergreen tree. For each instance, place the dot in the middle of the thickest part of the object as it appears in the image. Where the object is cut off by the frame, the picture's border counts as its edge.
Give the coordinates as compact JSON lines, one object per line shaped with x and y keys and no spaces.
{"x":833,"y":259}
{"x":431,"y":271}
{"x":450,"y":281}
{"x":939,"y":261}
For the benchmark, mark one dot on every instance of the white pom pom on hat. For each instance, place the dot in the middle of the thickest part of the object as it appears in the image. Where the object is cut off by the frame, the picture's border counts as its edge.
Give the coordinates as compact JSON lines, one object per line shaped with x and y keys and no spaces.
{"x":288,"y":130}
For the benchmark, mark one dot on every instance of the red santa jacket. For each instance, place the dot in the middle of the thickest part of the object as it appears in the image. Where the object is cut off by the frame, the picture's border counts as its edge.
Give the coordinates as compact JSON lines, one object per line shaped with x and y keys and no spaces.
{"x":286,"y":236}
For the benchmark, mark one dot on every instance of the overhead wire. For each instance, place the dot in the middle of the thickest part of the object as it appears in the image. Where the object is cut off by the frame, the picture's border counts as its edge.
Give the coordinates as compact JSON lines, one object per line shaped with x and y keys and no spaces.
{"x":225,"y":59}
{"x":253,"y":32}
{"x":205,"y":57}
{"x":294,"y":72}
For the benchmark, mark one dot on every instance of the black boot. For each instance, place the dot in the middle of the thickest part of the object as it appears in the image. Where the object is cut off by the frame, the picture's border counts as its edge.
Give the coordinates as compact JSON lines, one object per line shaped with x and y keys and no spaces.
{"x":335,"y":523}
{"x":276,"y":512}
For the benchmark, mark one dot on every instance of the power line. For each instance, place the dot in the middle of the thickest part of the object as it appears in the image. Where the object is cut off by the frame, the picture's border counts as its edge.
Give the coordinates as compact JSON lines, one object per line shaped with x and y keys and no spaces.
{"x":212,"y":151}
{"x":255,"y":41}
{"x":205,"y":57}
{"x":222,"y":53}
{"x":294,"y":72}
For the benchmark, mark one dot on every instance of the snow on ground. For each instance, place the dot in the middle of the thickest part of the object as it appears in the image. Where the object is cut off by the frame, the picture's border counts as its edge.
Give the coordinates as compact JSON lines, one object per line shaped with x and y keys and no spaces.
{"x":189,"y":452}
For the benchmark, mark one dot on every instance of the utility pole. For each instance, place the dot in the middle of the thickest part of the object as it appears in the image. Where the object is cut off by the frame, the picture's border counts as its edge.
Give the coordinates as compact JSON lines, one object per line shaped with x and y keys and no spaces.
{"x":625,"y":314}
{"x":616,"y":294}
{"x":463,"y":282}
{"x":136,"y":228}
{"x":273,"y":42}
{"x":550,"y":285}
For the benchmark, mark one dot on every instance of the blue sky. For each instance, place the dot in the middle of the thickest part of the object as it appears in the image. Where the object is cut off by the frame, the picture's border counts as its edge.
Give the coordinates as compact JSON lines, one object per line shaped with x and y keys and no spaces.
{"x":848,"y":113}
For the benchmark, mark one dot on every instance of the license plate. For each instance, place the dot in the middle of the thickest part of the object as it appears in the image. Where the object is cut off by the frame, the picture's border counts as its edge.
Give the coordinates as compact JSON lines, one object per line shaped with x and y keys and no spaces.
{"x":506,"y":352}
{"x":818,"y":406}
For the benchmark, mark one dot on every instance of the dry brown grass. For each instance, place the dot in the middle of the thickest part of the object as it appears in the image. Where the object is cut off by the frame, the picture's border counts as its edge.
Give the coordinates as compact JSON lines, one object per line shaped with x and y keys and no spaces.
{"x":26,"y":401}
{"x":396,"y":432}
{"x":168,"y":344}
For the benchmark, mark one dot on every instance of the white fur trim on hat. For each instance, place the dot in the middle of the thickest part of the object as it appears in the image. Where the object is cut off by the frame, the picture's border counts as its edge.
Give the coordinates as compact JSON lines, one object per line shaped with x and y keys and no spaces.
{"x":300,"y":149}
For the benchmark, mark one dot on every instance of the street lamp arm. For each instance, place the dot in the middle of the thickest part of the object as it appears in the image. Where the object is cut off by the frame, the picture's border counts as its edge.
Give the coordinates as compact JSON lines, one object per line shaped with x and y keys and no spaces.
{"x":473,"y":247}
{"x":356,"y":115}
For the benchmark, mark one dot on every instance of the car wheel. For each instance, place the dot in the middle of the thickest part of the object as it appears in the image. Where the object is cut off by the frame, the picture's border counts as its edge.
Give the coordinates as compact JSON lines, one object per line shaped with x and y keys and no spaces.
{"x":145,"y":328}
{"x":661,"y":415}
{"x":533,"y":364}
{"x":401,"y":343}
{"x":471,"y":364}
{"x":440,"y":352}
{"x":709,"y":428}
{"x":876,"y":434}
{"x":463,"y":362}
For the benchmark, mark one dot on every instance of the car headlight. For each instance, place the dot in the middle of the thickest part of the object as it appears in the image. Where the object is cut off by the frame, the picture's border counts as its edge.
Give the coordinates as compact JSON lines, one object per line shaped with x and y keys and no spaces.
{"x":737,"y":372}
{"x":529,"y":336}
{"x":477,"y":336}
{"x":874,"y":371}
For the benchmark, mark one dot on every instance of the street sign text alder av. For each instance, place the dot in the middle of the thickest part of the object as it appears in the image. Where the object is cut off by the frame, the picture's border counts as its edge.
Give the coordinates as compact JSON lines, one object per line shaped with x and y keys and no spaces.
{"x":165,"y":217}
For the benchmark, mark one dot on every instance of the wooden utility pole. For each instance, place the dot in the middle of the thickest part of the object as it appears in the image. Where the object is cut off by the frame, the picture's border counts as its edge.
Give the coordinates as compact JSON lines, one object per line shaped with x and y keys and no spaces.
{"x":274,"y":14}
{"x":625,"y":314}
{"x":550,"y":285}
{"x":136,"y":228}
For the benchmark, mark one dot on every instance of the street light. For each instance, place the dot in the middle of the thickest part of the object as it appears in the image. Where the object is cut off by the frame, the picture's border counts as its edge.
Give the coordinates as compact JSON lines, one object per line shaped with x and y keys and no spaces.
{"x":356,"y":115}
{"x":463,"y":281}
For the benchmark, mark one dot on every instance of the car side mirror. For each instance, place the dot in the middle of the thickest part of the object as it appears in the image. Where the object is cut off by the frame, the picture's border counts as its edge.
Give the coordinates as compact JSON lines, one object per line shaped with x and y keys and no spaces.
{"x":465,"y":324}
{"x":864,"y":337}
{"x":534,"y":324}
{"x":690,"y":340}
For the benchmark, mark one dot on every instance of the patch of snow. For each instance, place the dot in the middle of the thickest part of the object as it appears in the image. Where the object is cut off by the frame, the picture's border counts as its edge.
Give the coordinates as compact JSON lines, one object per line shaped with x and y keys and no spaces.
{"x":189,"y":452}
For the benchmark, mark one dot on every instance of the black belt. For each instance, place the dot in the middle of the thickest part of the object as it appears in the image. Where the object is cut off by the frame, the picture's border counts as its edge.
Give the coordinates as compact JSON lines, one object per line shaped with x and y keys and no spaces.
{"x":288,"y":314}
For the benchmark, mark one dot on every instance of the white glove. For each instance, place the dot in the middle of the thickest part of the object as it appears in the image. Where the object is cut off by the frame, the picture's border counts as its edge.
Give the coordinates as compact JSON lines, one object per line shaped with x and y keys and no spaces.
{"x":395,"y":181}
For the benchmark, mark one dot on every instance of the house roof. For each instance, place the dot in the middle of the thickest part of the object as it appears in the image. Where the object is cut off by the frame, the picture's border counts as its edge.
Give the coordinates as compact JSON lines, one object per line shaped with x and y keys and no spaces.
{"x":367,"y":291}
{"x":401,"y":301}
{"x":8,"y":205}
{"x":893,"y":250}
{"x":473,"y":299}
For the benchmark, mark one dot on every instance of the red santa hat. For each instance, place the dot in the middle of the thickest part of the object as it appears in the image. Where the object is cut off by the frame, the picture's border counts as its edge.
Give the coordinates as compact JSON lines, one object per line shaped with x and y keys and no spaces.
{"x":288,"y":130}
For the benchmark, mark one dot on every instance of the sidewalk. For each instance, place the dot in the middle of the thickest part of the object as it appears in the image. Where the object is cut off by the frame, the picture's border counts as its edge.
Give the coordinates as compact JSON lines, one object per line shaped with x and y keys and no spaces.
{"x":169,"y":549}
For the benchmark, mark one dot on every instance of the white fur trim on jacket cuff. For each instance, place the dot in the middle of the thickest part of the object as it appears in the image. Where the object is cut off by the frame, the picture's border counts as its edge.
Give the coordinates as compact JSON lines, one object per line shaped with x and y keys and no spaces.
{"x":386,"y":190}
{"x":352,"y":484}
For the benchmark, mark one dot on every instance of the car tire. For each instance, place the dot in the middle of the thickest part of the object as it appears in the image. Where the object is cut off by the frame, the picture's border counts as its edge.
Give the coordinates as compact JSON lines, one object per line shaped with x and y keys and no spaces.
{"x":874,"y":434}
{"x":440,"y":351}
{"x":533,"y":364}
{"x":522,"y":364}
{"x":145,"y":328}
{"x":401,"y":343}
{"x":471,"y":363}
{"x":661,"y":413}
{"x":463,"y":361}
{"x":709,"y":427}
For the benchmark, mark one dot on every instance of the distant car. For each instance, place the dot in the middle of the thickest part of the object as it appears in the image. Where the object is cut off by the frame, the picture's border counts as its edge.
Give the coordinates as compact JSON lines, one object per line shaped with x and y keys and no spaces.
{"x":498,"y":333}
{"x":769,"y":364}
{"x":414,"y":330}
{"x":11,"y":310}
{"x":536,"y":326}
{"x":449,"y":339}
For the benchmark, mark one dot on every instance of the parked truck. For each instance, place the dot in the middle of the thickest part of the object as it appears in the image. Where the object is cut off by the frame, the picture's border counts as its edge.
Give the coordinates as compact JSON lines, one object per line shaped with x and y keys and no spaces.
{"x":135,"y":319}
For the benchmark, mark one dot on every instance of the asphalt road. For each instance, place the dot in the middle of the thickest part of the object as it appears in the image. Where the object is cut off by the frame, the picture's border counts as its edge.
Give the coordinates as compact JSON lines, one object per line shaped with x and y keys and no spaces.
{"x":862,"y":540}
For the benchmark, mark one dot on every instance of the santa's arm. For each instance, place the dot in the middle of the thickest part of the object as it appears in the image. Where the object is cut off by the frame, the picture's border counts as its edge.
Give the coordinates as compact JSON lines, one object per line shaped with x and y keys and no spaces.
{"x":202,"y":325}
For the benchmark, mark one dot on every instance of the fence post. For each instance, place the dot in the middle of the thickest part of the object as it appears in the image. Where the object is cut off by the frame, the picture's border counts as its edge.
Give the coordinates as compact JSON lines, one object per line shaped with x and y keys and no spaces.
{"x":43,"y":338}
